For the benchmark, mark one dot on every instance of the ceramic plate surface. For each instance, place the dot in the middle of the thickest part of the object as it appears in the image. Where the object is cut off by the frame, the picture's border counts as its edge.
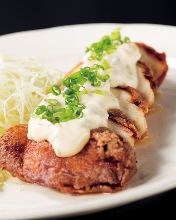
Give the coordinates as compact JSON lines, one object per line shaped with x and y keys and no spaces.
{"x":63,"y":47}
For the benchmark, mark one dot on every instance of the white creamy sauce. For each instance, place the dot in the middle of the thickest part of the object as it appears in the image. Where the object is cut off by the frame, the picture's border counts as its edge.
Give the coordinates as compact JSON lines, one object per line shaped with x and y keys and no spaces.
{"x":123,"y":65}
{"x":69,"y":138}
{"x":144,"y":87}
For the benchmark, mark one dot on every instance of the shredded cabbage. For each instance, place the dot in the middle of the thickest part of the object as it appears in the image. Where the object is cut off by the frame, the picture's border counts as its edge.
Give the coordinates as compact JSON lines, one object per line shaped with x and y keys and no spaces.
{"x":4,"y":175}
{"x":23,"y":84}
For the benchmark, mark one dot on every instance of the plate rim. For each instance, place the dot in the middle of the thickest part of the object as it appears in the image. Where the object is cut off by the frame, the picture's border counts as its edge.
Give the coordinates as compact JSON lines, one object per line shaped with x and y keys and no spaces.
{"x":90,"y":205}
{"x":89,"y":24}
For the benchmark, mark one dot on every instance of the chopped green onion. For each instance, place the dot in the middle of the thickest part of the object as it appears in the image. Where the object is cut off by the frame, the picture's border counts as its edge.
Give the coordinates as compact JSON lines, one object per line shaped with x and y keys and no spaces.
{"x":105,"y":78}
{"x":126,"y":39}
{"x":99,"y":92}
{"x":52,"y":101}
{"x":74,"y":87}
{"x":55,"y":90}
{"x":116,"y":35}
{"x":106,"y":45}
{"x":40,"y":109}
{"x":105,"y":64}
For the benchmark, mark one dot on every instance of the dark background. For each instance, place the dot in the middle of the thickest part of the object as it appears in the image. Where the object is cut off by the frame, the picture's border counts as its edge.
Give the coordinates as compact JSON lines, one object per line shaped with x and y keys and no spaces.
{"x":19,"y":15}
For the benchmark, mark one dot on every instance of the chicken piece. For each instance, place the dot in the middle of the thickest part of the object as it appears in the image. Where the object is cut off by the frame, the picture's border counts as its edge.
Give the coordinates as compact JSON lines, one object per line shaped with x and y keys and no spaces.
{"x":152,"y":69}
{"x":146,"y":83}
{"x":104,"y":165}
{"x":155,"y":61}
{"x":124,"y":132}
{"x":108,"y":161}
{"x":135,"y":98}
{"x":133,"y":107}
{"x":134,"y":103}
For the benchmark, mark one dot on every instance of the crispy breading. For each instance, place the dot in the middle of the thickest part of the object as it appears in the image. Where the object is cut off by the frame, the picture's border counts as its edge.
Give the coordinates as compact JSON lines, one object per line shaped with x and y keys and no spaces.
{"x":104,"y":165}
{"x":136,"y":98}
{"x":155,"y":61}
{"x":108,"y":160}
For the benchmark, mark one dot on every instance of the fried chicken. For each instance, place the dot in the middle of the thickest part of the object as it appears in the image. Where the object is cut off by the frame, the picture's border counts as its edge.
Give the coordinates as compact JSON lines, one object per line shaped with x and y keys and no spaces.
{"x":104,"y":165}
{"x":108,"y":160}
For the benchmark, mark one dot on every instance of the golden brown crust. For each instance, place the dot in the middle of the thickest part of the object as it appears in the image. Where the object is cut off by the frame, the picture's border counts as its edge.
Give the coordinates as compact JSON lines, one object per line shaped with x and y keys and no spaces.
{"x":148,"y":74}
{"x":154,"y":60}
{"x":136,"y":98}
{"x":104,"y":165}
{"x":12,"y":151}
{"x":119,"y":118}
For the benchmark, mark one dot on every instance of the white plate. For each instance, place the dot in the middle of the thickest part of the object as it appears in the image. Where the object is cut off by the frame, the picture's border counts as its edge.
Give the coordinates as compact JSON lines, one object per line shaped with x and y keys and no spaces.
{"x":63,"y":47}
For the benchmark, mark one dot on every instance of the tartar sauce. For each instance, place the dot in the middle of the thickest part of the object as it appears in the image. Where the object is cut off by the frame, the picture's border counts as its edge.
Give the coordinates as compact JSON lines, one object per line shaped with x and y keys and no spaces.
{"x":69,"y":138}
{"x":123,"y":65}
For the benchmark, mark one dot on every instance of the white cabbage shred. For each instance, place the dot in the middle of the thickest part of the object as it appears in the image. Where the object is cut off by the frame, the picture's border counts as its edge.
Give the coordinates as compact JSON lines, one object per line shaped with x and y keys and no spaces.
{"x":23,"y":84}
